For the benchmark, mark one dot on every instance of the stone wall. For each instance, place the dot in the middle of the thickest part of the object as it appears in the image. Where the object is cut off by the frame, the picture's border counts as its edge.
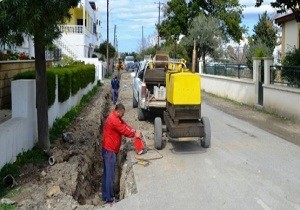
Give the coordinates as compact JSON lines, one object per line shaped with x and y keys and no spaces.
{"x":7,"y":71}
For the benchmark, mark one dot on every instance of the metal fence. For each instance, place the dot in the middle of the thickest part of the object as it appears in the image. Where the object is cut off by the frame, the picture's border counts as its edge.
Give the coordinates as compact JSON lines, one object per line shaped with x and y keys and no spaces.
{"x":285,"y":75}
{"x":229,"y":70}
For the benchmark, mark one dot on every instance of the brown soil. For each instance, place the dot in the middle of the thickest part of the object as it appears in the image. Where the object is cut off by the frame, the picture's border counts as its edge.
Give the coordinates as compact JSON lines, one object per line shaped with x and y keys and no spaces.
{"x":74,"y":181}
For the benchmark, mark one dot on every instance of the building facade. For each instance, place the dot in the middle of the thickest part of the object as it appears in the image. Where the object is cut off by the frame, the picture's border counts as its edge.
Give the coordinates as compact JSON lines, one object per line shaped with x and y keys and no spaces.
{"x":290,"y":32}
{"x":80,"y":35}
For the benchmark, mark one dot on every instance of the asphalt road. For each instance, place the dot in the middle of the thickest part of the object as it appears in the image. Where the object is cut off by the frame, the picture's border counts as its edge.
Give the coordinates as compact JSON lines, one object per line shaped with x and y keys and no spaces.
{"x":245,"y":168}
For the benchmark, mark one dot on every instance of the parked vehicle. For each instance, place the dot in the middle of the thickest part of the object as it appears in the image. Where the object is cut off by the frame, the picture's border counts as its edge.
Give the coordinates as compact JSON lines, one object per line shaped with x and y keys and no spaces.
{"x":136,"y":66}
{"x":129,"y":61}
{"x":149,"y":91}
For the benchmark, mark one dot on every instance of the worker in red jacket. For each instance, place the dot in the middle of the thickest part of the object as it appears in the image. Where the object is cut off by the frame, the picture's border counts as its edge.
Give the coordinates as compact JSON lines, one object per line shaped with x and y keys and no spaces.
{"x":114,"y":129}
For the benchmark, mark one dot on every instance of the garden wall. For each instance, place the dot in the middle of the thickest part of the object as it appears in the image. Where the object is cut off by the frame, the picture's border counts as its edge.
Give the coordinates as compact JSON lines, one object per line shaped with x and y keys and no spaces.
{"x":19,"y":134}
{"x":7,"y":71}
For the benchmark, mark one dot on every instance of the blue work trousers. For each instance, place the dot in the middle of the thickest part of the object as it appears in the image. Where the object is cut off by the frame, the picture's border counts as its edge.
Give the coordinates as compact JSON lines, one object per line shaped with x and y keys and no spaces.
{"x":109,"y":160}
{"x":115,"y":94}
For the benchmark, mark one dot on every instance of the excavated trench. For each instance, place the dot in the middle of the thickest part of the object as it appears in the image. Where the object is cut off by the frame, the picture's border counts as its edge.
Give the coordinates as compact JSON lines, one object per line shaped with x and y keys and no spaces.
{"x":90,"y":168}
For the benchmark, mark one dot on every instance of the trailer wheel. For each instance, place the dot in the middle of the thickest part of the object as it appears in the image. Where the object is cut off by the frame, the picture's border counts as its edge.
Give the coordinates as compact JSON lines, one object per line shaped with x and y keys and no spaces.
{"x":134,"y":102}
{"x":141,"y":113}
{"x":205,"y":142}
{"x":157,"y":133}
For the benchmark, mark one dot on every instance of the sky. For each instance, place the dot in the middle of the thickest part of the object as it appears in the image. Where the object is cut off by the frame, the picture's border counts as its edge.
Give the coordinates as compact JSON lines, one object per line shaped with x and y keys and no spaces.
{"x":134,"y":19}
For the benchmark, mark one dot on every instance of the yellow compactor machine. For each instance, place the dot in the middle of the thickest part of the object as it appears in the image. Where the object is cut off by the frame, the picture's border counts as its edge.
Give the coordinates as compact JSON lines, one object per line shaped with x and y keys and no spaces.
{"x":183,"y":108}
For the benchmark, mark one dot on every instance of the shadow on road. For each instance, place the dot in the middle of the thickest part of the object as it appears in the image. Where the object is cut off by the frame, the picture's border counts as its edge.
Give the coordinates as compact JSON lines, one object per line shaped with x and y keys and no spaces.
{"x":186,"y":148}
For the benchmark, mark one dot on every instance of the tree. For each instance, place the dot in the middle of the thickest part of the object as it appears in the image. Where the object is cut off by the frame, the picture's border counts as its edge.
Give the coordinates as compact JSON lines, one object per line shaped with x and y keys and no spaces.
{"x":40,"y":20}
{"x":291,"y":65}
{"x":179,"y":16}
{"x":265,"y":31}
{"x":176,"y":20}
{"x":236,"y":54}
{"x":284,"y":5}
{"x":207,"y":33}
{"x":262,"y":43}
{"x":111,"y":49}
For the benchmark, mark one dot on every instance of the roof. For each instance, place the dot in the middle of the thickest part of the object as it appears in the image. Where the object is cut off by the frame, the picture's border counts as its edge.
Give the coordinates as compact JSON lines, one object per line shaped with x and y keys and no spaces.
{"x":93,"y":5}
{"x":285,"y":18}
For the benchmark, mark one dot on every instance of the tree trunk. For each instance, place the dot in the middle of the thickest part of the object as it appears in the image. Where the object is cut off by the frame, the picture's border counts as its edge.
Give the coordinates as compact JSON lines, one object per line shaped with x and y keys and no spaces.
{"x":41,"y":96}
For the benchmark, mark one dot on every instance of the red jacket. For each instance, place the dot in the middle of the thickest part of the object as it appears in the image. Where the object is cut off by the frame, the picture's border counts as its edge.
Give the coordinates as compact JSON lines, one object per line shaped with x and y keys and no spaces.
{"x":114,"y":128}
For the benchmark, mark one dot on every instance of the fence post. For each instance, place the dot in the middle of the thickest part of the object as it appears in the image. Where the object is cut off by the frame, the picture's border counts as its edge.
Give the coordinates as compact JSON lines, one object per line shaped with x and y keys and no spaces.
{"x":201,"y":66}
{"x":268,"y":61}
{"x":256,"y":74}
{"x":256,"y":66}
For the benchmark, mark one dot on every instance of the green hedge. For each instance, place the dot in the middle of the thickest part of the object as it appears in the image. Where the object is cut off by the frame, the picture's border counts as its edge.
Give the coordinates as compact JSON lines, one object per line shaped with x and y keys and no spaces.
{"x":70,"y":80}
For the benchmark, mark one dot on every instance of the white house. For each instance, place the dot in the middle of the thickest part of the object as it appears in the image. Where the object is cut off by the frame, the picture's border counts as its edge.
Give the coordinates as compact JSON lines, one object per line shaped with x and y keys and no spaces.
{"x":290,"y":32}
{"x":80,"y":34}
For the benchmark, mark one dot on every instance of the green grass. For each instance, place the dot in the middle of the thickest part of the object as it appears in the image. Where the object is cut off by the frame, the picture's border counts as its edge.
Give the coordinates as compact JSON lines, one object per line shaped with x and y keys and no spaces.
{"x":36,"y":155}
{"x":7,"y":207}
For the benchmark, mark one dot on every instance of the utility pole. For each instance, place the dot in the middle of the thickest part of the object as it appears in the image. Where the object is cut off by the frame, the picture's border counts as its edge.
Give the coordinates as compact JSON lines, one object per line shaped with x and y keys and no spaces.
{"x":194,"y":57}
{"x":158,"y":21}
{"x":143,"y":38}
{"x":107,"y":35}
{"x":117,"y":44}
{"x":115,"y":28}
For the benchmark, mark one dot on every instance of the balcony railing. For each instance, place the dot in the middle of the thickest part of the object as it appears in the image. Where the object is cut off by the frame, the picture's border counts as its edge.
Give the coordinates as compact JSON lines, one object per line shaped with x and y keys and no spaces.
{"x":75,"y":29}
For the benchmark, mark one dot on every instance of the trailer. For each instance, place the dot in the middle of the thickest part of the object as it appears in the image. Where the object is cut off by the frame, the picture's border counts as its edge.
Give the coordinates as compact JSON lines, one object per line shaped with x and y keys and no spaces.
{"x":182,"y":117}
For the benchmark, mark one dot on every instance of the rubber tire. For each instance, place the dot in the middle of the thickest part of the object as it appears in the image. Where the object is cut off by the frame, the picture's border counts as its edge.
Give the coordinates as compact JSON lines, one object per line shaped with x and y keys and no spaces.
{"x":134,"y":102}
{"x":141,"y":113}
{"x":205,"y":142}
{"x":157,"y":133}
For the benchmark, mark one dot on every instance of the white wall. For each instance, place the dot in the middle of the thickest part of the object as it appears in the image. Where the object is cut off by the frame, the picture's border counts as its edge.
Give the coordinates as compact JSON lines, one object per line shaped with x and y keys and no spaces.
{"x":235,"y":89}
{"x":98,"y":67}
{"x":19,"y":134}
{"x":58,"y":110}
{"x":284,"y":101}
{"x":291,"y":35}
{"x":14,"y":138}
{"x":75,"y":42}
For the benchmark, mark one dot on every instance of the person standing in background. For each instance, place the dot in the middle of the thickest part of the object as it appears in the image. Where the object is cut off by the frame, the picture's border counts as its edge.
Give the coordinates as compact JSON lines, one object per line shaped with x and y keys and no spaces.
{"x":115,"y":85}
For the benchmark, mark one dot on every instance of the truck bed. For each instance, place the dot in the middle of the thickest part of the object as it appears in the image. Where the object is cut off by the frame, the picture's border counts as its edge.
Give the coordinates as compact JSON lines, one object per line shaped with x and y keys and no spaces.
{"x":155,"y":76}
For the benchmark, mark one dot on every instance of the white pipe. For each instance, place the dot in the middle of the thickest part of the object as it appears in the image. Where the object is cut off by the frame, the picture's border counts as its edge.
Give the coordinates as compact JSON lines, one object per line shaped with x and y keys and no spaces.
{"x":51,"y":161}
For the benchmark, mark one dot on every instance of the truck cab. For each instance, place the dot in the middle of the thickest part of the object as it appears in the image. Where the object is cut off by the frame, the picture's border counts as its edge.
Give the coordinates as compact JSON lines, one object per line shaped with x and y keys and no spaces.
{"x":129,"y":62}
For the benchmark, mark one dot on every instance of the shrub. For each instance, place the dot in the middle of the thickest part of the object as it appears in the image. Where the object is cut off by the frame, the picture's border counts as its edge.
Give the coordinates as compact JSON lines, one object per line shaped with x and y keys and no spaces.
{"x":291,"y":67}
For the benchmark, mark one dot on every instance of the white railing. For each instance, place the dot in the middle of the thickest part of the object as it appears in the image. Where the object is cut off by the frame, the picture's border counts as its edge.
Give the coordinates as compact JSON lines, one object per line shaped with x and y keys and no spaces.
{"x":75,"y":29}
{"x":66,"y":47}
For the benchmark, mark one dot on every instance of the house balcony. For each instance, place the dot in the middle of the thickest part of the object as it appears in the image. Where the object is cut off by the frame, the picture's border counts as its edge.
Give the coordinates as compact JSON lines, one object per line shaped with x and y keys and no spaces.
{"x":77,"y":40}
